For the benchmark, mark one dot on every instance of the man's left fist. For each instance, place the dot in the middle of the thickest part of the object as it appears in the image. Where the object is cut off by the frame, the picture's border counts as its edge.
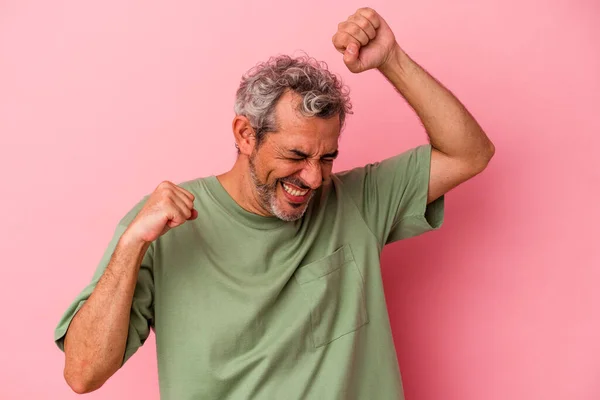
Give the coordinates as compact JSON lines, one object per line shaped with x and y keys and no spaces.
{"x":365,"y":40}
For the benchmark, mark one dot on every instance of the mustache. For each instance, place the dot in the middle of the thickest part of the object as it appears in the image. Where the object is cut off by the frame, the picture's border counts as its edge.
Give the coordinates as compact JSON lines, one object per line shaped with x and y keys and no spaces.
{"x":296,"y":182}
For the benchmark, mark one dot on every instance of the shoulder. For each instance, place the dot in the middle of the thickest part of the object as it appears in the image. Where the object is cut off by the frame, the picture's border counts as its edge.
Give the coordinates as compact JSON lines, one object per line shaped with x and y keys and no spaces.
{"x":419,"y":155}
{"x":196,"y":186}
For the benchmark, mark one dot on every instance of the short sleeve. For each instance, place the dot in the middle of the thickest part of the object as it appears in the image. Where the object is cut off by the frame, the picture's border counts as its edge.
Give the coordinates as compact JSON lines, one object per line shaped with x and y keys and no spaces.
{"x":391,"y":195}
{"x":142,"y":312}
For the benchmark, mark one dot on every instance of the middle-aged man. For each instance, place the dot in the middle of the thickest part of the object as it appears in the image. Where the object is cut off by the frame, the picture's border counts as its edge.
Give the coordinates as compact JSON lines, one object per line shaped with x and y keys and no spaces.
{"x":264,"y":282}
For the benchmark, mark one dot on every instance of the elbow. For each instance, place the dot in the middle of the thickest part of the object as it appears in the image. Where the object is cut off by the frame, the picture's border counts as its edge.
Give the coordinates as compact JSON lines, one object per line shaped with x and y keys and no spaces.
{"x":491,"y":150}
{"x":489,"y":153}
{"x":79,"y":389}
{"x":80,"y":383}
{"x":483,"y":158}
{"x":86,"y":371}
{"x":78,"y":386}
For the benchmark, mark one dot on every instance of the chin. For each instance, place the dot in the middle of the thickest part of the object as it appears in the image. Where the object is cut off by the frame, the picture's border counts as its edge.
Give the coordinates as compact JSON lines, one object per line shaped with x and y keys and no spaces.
{"x":287,"y":212}
{"x":289,"y":215}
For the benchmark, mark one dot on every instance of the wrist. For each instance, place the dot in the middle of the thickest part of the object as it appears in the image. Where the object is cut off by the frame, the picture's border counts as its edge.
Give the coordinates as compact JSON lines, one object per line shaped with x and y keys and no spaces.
{"x":130,"y":241}
{"x":396,"y":65}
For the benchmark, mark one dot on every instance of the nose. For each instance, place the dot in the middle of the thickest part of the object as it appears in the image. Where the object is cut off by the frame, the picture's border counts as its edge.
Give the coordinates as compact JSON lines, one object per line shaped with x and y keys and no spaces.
{"x":312,"y":174}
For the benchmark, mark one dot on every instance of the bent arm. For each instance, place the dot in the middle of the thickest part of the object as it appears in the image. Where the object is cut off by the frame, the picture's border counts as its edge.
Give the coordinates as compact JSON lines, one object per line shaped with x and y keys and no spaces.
{"x":460,"y":147}
{"x":96,"y":339}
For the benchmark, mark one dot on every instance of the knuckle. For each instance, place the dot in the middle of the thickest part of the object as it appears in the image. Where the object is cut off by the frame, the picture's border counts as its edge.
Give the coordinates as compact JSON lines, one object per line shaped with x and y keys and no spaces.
{"x":368,"y":12}
{"x":164,"y":202}
{"x":177,"y":217}
{"x":164,"y":187}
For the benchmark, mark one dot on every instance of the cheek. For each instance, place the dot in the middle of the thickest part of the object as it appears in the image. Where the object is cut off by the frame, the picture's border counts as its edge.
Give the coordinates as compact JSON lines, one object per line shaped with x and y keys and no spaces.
{"x":281,"y":170}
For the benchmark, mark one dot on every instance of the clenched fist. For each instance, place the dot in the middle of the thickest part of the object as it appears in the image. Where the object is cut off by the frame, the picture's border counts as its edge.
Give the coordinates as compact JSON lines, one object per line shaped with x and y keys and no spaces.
{"x":167,"y":207}
{"x":365,"y":40}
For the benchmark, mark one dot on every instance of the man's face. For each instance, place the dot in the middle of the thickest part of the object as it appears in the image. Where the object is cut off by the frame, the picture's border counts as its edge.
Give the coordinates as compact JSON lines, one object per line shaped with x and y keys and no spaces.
{"x":293,"y":162}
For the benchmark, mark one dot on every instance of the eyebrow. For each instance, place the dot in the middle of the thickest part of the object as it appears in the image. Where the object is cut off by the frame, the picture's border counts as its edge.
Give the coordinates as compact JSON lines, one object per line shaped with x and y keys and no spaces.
{"x":302,"y":154}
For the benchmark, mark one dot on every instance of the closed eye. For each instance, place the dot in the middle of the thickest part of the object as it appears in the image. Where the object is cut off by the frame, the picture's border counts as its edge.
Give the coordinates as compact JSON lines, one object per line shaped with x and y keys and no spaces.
{"x":300,"y":156}
{"x":331,"y":156}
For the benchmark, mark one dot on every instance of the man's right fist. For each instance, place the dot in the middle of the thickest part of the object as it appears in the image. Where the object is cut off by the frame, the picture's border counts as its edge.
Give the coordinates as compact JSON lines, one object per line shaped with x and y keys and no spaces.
{"x":167,"y":207}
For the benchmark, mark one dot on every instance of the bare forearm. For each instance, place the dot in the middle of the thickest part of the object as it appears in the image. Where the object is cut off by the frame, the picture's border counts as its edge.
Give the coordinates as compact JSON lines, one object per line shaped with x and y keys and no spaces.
{"x":96,"y":339}
{"x":451,"y":128}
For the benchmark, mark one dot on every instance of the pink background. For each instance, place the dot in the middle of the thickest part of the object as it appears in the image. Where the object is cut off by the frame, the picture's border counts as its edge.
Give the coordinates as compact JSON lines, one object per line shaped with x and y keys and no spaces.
{"x":100,"y":102}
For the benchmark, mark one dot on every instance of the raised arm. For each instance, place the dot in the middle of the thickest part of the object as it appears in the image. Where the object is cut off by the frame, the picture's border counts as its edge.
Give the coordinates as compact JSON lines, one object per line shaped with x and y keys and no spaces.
{"x":461,"y":149}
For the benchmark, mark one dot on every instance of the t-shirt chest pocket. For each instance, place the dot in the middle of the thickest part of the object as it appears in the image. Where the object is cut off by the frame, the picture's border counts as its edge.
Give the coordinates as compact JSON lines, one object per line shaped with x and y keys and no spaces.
{"x":334,"y":291}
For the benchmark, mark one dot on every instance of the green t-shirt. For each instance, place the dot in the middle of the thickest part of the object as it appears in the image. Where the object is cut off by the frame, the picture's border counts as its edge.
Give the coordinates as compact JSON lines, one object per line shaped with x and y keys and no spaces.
{"x":252,"y":307}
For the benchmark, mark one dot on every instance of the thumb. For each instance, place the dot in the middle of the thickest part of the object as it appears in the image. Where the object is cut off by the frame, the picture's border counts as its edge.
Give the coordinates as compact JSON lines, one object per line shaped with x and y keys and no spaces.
{"x":351,"y":56}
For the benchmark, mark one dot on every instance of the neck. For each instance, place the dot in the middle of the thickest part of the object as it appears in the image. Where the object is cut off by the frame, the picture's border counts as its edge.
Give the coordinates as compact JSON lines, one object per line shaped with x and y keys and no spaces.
{"x":238,"y":183}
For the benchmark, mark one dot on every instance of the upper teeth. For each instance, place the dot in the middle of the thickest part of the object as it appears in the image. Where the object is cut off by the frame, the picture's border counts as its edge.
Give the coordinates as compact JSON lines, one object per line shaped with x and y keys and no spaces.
{"x":294,"y":192}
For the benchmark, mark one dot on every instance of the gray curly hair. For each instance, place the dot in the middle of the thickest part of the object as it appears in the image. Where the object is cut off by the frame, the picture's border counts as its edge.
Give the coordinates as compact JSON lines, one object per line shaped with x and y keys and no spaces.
{"x":323,"y":94}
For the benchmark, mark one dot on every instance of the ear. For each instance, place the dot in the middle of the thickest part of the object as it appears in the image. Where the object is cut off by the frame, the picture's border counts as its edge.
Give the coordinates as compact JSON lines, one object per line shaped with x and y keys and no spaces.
{"x":244,"y":135}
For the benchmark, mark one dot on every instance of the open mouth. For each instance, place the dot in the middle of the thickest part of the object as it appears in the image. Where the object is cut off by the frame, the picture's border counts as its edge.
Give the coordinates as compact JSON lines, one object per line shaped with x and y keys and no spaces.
{"x":295,"y":194}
